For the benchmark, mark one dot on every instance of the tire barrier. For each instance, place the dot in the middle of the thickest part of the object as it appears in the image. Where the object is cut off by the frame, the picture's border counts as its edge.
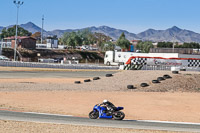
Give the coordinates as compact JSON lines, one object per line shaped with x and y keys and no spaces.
{"x":175,"y":72}
{"x":144,"y":85}
{"x":130,"y":87}
{"x":166,"y":76}
{"x":96,"y":78}
{"x":182,"y":69}
{"x":155,"y":81}
{"x":160,"y":78}
{"x":87,"y":80}
{"x":77,"y":82}
{"x":109,"y":75}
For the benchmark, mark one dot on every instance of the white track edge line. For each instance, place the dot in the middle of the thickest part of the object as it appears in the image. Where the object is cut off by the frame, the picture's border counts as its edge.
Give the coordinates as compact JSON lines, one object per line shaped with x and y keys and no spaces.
{"x":47,"y":114}
{"x":172,"y":122}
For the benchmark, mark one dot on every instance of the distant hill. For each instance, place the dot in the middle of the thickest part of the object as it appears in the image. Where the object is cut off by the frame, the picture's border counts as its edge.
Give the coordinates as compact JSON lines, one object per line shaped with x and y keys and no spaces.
{"x":31,"y":27}
{"x":170,"y":34}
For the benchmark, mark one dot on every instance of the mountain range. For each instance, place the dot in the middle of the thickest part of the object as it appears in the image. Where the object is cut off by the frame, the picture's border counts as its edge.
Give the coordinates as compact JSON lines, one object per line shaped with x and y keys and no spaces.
{"x":171,"y":34}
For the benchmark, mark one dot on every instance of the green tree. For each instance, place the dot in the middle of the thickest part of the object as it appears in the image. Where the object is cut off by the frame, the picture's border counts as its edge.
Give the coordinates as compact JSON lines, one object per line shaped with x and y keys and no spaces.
{"x":84,"y":37}
{"x":11,"y":32}
{"x":123,"y":42}
{"x":71,"y":39}
{"x":109,"y":46}
{"x":144,"y":46}
{"x":165,"y":45}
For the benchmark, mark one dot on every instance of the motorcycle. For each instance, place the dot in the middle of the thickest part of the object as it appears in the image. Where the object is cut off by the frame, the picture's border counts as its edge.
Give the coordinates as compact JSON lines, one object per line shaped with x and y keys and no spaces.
{"x":101,"y":112}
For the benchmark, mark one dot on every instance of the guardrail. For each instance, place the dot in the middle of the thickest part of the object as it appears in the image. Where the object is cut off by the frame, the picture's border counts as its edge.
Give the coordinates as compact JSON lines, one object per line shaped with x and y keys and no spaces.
{"x":58,"y":66}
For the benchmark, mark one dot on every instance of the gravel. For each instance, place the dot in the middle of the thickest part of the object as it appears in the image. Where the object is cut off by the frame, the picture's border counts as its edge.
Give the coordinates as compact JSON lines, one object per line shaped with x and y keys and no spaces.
{"x":185,"y":82}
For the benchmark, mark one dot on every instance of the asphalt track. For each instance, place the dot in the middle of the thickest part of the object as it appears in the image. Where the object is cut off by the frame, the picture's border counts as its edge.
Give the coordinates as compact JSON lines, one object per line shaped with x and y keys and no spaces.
{"x":64,"y":119}
{"x":49,"y":74}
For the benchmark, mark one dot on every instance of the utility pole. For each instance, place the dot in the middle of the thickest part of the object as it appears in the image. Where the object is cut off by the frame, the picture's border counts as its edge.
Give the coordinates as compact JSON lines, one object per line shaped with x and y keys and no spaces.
{"x":173,"y":42}
{"x":18,"y":4}
{"x":42,"y":29}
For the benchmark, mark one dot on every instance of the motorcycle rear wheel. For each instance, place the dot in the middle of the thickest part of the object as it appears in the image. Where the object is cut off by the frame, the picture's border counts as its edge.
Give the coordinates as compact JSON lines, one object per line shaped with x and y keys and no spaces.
{"x":119,"y":115}
{"x":93,"y":115}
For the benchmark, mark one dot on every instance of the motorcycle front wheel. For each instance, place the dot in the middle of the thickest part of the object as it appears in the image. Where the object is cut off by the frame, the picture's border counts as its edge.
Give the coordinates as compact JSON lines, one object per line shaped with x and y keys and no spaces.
{"x":118,"y":115}
{"x":93,"y":115}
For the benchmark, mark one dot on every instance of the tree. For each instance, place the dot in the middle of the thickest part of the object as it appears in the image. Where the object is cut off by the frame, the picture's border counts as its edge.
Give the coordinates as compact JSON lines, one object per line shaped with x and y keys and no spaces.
{"x":144,"y":46}
{"x":84,"y":37}
{"x":71,"y":39}
{"x":12,"y":31}
{"x":101,"y":39}
{"x":109,"y":46}
{"x":37,"y":36}
{"x":123,"y":42}
{"x":165,"y":45}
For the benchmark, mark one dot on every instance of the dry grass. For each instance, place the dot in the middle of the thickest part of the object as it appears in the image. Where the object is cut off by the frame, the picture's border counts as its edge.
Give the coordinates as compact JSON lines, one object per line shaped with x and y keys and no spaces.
{"x":30,"y":127}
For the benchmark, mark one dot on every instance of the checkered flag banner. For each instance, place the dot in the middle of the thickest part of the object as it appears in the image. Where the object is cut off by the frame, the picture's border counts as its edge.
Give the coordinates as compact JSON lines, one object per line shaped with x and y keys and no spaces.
{"x":141,"y":61}
{"x":193,"y":63}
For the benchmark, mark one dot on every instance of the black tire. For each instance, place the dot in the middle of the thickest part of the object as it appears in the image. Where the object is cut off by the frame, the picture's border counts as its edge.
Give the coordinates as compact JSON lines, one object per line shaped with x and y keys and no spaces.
{"x":155,"y":81}
{"x":167,"y":76}
{"x":109,"y":75}
{"x":118,"y":115}
{"x":183,"y":69}
{"x":175,"y":72}
{"x":93,"y":115}
{"x":144,"y":85}
{"x":108,"y":63}
{"x":77,"y":82}
{"x":130,"y":87}
{"x":160,"y":79}
{"x":87,"y":80}
{"x":96,"y":78}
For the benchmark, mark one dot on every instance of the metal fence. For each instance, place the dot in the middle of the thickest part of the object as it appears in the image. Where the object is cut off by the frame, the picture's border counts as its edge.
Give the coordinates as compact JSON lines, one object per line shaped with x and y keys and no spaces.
{"x":168,"y":68}
{"x":58,"y":66}
{"x":156,"y":67}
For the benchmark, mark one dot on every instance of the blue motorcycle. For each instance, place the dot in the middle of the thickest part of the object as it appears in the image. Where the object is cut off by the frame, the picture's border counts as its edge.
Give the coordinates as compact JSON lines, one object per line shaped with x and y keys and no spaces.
{"x":100,"y":111}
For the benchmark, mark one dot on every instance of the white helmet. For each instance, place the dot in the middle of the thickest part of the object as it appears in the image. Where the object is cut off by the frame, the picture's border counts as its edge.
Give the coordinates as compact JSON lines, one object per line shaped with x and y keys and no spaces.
{"x":105,"y":101}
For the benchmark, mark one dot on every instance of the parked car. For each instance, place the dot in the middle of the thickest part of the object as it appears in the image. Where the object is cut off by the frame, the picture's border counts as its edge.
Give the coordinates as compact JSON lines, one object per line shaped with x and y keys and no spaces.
{"x":4,"y":58}
{"x":58,"y":60}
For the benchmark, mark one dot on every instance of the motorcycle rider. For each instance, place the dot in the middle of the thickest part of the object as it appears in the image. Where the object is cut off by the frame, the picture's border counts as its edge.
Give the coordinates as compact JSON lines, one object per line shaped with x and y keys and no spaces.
{"x":109,"y":106}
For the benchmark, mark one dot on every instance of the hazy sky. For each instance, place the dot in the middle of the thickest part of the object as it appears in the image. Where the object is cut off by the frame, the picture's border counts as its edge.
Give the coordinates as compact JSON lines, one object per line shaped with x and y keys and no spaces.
{"x":131,"y":15}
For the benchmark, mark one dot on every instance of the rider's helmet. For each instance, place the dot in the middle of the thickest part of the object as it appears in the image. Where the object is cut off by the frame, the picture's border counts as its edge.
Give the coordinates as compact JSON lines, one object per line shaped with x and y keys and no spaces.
{"x":105,"y":101}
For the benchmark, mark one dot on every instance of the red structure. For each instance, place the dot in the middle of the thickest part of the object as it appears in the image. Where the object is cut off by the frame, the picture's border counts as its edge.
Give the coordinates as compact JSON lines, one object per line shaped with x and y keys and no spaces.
{"x":22,"y":42}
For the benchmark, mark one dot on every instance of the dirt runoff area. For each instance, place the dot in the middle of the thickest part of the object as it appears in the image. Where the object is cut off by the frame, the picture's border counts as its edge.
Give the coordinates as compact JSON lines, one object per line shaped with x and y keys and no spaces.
{"x":175,"y":99}
{"x":29,"y":127}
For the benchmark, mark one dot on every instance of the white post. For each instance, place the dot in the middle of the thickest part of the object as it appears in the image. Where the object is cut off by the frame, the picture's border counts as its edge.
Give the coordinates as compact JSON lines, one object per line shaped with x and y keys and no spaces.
{"x":18,"y":4}
{"x":16,"y":35}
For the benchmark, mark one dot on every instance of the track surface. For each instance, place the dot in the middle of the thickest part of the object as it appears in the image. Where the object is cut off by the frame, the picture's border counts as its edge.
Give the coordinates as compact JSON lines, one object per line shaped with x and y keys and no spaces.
{"x":63,"y":119}
{"x":48,"y":74}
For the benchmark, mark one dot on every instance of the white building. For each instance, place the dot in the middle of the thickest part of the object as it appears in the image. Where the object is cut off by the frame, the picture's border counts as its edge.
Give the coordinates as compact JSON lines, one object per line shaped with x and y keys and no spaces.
{"x":5,"y":44}
{"x":52,"y":42}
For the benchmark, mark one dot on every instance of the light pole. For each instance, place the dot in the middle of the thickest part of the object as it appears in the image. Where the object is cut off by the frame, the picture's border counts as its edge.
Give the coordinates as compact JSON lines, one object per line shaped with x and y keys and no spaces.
{"x":18,"y":4}
{"x":42,"y":29}
{"x":173,"y":42}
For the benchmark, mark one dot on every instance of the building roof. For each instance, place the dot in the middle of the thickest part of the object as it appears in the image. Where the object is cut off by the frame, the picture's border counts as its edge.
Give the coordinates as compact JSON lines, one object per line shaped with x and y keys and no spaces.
{"x":19,"y":37}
